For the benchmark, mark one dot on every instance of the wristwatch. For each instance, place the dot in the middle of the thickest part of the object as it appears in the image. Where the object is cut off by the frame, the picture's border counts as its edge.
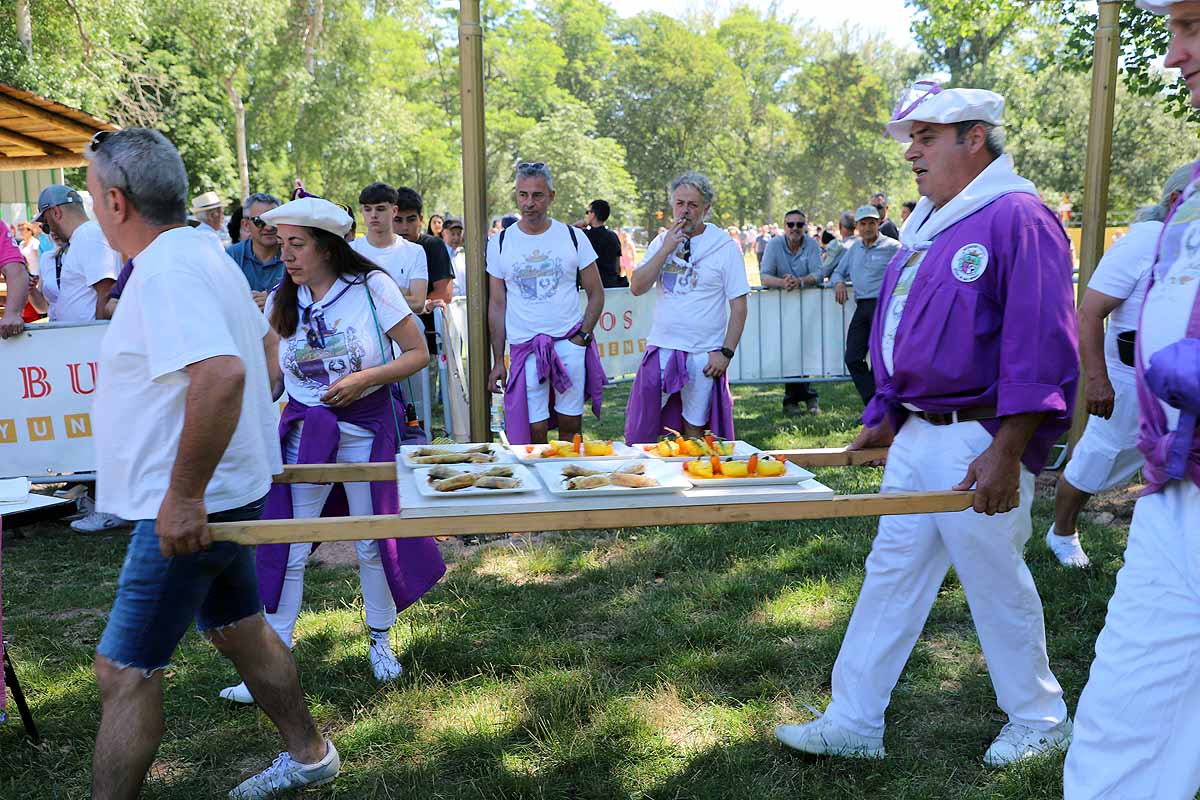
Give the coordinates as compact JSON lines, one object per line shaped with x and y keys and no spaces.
{"x":586,"y":336}
{"x":725,"y":351}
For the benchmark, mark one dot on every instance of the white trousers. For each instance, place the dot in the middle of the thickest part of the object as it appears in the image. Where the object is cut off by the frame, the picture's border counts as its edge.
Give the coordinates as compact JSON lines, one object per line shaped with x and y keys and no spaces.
{"x":696,"y":396}
{"x":908,"y":562}
{"x":307,"y":501}
{"x":1107,"y":452}
{"x":1137,"y":728}
{"x":537,"y":393}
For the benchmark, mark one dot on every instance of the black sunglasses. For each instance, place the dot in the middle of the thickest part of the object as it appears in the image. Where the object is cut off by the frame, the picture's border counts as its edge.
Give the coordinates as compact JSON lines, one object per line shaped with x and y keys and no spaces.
{"x":100,"y":138}
{"x":531,"y":165}
{"x":261,"y":223}
{"x":800,"y":224}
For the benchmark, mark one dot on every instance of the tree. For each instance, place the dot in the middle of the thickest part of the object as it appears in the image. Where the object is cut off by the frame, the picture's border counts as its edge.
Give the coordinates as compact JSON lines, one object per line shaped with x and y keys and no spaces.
{"x":962,"y":37}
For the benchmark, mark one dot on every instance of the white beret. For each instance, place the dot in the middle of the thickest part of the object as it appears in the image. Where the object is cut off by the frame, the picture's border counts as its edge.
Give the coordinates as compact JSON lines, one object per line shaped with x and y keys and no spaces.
{"x":311,"y":212}
{"x":928,"y":102}
{"x":1160,"y":7}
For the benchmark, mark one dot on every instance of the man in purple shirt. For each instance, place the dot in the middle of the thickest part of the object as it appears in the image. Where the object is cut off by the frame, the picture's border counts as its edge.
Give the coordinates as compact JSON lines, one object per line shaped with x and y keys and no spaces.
{"x":1139,"y":715}
{"x":974,"y":383}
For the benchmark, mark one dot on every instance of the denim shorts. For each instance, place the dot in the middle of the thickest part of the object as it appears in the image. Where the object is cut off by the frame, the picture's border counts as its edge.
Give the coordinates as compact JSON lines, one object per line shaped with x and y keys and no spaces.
{"x":158,"y":597}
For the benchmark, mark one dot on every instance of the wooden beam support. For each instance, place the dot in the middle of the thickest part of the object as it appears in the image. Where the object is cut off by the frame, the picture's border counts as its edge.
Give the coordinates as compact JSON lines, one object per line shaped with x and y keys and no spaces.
{"x":394,"y":527}
{"x":41,"y":162}
{"x":49,"y":117}
{"x":30,"y":143}
{"x":386,"y":470}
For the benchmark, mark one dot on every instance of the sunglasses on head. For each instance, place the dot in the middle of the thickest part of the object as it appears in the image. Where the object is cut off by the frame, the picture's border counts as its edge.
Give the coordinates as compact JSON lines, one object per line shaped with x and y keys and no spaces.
{"x":531,"y":165}
{"x":100,"y":138}
{"x":799,"y":224}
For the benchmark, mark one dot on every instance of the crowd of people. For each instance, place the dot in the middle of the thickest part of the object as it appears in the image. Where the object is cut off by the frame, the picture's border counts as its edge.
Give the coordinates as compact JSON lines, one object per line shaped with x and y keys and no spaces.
{"x":965,"y":347}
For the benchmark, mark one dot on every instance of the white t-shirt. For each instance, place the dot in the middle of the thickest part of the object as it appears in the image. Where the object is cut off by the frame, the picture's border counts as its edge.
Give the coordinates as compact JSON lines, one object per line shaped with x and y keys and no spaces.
{"x":539,"y":275}
{"x":317,"y":354}
{"x":30,"y":252}
{"x":1123,"y":274}
{"x":692,"y":308}
{"x":87,"y":261}
{"x":1169,"y":303}
{"x":459,"y":262}
{"x":895,"y":308}
{"x":404,"y":260}
{"x":186,"y":301}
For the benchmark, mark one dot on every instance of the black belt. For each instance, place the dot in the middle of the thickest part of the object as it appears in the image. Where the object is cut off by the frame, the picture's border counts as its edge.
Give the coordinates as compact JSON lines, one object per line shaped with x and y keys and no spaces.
{"x":961,"y":415}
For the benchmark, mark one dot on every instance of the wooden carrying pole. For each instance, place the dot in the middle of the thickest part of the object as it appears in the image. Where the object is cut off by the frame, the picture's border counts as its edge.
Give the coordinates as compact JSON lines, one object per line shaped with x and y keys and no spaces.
{"x":470,"y":48}
{"x":1099,"y":156}
{"x":390,"y":526}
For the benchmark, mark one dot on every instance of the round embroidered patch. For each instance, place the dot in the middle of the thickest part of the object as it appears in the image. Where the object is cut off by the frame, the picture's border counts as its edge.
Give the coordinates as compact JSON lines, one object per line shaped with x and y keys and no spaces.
{"x":969,"y":263}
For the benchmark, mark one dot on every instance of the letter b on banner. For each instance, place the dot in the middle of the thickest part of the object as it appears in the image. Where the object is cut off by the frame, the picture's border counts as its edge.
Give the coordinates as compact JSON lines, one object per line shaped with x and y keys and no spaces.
{"x":35,"y":384}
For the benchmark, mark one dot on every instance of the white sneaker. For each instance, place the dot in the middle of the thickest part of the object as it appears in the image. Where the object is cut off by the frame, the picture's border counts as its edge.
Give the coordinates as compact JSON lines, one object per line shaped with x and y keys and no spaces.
{"x":383,"y":661}
{"x":1017,"y":742}
{"x":98,"y":522}
{"x":237,"y":694}
{"x":285,"y":774}
{"x":823,"y":738}
{"x":1067,"y":549}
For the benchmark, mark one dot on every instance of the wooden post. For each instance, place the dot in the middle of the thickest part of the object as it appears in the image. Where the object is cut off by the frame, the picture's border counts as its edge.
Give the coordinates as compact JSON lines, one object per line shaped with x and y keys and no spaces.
{"x":470,"y":48}
{"x":1099,"y":156}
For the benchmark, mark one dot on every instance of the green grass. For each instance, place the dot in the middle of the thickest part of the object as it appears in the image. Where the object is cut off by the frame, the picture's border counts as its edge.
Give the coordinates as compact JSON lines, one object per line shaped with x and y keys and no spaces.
{"x":649,"y":663}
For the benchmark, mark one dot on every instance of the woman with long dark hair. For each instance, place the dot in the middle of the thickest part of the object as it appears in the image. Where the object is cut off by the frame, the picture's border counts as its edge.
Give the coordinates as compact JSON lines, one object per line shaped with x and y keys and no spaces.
{"x":333,"y":320}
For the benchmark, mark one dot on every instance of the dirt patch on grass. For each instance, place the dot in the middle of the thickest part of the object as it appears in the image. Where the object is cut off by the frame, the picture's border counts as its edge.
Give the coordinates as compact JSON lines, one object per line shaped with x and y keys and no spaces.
{"x":1113,"y":505}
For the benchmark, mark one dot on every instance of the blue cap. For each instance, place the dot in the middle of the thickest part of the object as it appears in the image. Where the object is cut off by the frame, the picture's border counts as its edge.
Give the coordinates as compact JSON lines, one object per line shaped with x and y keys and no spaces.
{"x":56,"y":194}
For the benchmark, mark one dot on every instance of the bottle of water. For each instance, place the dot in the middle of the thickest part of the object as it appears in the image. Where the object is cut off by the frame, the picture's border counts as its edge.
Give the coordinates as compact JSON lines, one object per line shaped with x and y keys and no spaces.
{"x":497,"y":414}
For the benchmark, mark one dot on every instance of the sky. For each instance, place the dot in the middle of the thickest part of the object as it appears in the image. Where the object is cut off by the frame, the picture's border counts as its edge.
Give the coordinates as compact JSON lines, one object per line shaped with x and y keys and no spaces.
{"x":890,"y":17}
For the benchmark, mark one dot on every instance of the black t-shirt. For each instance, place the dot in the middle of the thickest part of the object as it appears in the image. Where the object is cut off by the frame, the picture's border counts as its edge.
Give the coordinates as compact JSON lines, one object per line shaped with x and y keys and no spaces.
{"x":888,"y":228}
{"x":437,"y":258}
{"x":608,"y":256}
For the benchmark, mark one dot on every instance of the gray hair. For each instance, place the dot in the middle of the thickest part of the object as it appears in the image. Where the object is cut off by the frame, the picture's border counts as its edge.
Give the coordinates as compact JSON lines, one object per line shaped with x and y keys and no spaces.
{"x":1155,"y":213}
{"x":1178,"y":181}
{"x":148,"y":170}
{"x":847,"y":220}
{"x":697,"y":181}
{"x":993,"y":138}
{"x":535,"y":169}
{"x":258,"y":197}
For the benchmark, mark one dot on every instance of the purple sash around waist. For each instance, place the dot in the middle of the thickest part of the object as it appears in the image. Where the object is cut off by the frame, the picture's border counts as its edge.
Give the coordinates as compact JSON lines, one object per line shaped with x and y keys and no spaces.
{"x":549,"y":368}
{"x":646,"y":417}
{"x":412,"y":566}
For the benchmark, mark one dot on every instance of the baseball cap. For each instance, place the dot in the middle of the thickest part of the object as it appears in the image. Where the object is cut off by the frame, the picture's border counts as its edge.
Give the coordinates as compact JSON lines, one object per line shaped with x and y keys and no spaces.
{"x":56,"y":194}
{"x":866,"y":212}
{"x":452,"y":222}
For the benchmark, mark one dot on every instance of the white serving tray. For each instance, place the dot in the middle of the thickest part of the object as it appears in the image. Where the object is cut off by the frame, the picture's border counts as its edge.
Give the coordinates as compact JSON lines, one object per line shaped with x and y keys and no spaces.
{"x":528,"y":482}
{"x":408,"y":451}
{"x":670,"y":477}
{"x":621,"y":452}
{"x":740,"y":450}
{"x":791,"y":476}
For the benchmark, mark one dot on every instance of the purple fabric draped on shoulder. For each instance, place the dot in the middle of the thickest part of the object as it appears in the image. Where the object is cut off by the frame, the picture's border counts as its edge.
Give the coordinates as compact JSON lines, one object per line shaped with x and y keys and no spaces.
{"x":646,"y":418}
{"x":549,"y":367}
{"x":412,"y":566}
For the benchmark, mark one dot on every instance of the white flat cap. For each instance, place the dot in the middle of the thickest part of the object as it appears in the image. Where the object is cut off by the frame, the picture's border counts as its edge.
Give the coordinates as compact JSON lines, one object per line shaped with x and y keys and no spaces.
{"x":1160,"y":7}
{"x":311,"y":212}
{"x":928,"y":102}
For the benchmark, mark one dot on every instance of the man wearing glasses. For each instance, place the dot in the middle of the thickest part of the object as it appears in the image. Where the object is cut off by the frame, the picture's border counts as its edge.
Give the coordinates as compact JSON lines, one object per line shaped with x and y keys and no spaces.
{"x":257,"y":254}
{"x":790,"y":262}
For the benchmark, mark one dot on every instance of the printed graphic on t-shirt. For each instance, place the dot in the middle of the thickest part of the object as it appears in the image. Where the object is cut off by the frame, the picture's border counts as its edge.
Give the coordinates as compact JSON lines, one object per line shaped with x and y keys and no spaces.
{"x":538,"y":277}
{"x":324,"y":355}
{"x":679,"y":277}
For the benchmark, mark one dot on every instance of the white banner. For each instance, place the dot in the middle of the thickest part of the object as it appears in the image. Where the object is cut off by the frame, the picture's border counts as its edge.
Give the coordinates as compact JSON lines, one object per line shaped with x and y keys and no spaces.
{"x":49,"y":376}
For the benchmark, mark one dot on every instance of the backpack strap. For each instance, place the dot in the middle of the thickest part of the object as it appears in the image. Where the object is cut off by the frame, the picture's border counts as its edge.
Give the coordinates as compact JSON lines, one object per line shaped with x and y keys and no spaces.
{"x":501,"y":242}
{"x":570,"y":230}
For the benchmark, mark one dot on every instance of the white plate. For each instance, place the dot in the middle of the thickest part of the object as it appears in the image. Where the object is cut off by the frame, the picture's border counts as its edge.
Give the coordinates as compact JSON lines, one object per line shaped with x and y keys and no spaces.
{"x":409,"y":450}
{"x":621,"y":452}
{"x":790,"y":477}
{"x":528,"y":482}
{"x":671,"y":479}
{"x":740,"y":450}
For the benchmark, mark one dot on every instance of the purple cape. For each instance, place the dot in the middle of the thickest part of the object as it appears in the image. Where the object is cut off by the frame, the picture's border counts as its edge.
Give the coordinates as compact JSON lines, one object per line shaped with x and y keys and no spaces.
{"x":990,"y":321}
{"x":549,"y":367}
{"x":1174,"y":377}
{"x":412,"y":566}
{"x":646,"y":418}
